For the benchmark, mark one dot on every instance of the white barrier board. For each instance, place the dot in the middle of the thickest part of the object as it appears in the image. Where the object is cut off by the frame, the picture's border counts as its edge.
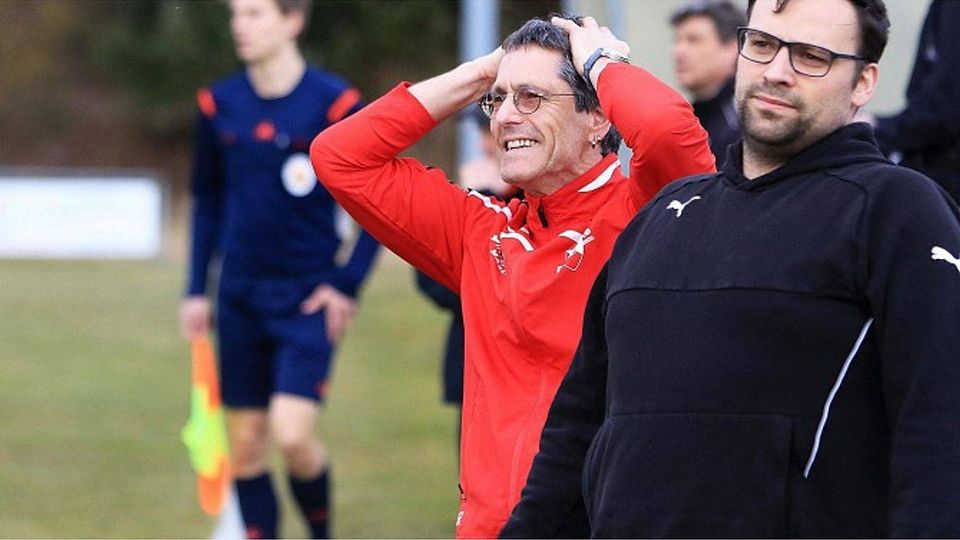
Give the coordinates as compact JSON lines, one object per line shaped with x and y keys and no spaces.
{"x":82,"y":217}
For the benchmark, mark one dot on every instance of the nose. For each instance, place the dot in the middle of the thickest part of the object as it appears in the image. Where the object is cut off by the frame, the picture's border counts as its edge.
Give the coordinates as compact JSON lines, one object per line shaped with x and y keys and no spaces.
{"x":507,"y":113}
{"x":779,"y":70}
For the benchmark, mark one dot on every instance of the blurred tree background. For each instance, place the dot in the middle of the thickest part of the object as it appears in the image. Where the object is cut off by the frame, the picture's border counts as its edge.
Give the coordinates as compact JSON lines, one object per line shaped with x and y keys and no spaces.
{"x":110,"y":83}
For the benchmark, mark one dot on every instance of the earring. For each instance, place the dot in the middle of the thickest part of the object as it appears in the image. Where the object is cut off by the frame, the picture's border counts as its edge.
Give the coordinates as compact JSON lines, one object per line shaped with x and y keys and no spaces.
{"x":593,"y":142}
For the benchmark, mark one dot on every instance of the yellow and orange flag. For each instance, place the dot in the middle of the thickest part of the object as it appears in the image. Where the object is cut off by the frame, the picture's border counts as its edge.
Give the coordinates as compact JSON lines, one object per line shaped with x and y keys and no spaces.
{"x":206,"y":433}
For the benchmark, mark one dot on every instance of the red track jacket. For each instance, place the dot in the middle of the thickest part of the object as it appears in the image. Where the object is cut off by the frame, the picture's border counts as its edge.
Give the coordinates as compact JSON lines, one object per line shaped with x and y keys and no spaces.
{"x":523,"y":270}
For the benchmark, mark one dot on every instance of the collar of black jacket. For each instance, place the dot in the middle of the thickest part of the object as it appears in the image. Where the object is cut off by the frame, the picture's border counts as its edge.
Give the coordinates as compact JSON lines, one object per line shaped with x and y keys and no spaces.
{"x":850,"y":144}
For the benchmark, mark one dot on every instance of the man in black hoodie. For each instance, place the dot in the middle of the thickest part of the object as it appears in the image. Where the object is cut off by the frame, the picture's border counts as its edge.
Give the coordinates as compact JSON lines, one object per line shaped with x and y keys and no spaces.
{"x":772,"y":350}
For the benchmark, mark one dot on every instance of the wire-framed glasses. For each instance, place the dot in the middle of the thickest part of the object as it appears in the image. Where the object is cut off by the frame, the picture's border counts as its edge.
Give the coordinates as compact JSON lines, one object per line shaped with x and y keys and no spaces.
{"x":527,"y":100}
{"x":806,"y":59}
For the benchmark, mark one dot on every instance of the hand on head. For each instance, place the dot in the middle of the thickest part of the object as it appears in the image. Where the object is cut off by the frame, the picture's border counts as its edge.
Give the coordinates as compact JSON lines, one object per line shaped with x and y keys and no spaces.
{"x":489,"y":64}
{"x":586,"y":39}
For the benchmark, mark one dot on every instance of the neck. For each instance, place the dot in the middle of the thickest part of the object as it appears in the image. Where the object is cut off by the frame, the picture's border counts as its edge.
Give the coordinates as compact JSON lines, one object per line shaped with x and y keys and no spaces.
{"x":553,"y":183}
{"x":277,"y":75}
{"x":708,"y":91}
{"x":757,"y":162}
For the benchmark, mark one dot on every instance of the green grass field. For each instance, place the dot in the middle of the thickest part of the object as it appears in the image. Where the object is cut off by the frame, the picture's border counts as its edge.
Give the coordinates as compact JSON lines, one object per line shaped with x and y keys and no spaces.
{"x":94,"y":389}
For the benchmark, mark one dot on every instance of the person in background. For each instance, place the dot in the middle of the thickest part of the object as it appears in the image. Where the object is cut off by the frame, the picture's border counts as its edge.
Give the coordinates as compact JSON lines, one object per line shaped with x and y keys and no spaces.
{"x":771,"y":350}
{"x":283,"y":303}
{"x":705,"y":58}
{"x":925,"y":135}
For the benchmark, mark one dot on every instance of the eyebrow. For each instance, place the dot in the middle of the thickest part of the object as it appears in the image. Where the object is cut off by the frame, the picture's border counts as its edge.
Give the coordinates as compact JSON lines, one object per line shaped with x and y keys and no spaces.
{"x":499,"y":89}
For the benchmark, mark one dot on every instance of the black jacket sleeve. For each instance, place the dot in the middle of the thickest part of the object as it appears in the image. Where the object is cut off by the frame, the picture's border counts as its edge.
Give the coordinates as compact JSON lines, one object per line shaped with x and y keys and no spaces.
{"x":551,"y":504}
{"x":913,"y":287}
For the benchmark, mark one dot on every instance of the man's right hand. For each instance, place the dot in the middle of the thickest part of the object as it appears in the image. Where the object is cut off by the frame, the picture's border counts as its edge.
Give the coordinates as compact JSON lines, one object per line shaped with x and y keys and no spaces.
{"x":195,"y":317}
{"x":448,"y":93}
{"x":488,"y":65}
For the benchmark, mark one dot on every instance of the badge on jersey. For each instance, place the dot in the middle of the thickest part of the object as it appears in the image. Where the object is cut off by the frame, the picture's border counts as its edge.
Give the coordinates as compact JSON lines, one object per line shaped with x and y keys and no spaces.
{"x":298,"y":176}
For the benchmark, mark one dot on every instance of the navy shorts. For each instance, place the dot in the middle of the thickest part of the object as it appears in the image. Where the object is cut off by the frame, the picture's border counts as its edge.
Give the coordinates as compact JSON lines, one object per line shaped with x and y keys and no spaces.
{"x":267,"y":345}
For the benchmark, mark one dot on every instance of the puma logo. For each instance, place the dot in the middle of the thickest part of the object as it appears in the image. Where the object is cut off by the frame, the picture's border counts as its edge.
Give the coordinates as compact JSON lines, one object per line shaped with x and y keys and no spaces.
{"x":940,"y":254}
{"x":678,"y":206}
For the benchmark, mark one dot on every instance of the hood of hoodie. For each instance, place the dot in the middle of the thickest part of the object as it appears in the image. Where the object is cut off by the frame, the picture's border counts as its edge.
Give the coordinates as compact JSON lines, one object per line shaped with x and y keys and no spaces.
{"x":848,"y":145}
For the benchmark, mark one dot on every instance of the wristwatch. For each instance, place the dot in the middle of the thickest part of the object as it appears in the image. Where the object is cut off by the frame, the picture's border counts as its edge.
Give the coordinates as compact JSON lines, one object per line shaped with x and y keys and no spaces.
{"x":606,"y":53}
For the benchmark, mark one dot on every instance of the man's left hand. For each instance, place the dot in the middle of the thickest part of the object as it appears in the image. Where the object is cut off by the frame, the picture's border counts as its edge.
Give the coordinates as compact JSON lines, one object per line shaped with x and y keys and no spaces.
{"x":586,"y":39}
{"x":339,"y":309}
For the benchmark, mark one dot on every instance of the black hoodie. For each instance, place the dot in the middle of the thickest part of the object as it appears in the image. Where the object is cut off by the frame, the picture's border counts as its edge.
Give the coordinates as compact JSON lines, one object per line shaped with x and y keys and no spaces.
{"x":767,"y":357}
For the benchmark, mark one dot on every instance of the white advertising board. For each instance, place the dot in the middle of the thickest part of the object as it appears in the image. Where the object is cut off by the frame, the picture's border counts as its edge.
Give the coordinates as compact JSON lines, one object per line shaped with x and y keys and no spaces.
{"x":83,"y":216}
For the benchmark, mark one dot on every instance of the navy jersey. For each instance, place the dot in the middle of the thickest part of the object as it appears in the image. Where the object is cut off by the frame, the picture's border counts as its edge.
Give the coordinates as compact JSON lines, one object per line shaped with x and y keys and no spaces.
{"x":257,"y":201}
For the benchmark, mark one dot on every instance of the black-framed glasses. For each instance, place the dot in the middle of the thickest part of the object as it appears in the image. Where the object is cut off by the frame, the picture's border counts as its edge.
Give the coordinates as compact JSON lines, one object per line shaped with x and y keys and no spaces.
{"x":806,"y":59}
{"x":527,"y":100}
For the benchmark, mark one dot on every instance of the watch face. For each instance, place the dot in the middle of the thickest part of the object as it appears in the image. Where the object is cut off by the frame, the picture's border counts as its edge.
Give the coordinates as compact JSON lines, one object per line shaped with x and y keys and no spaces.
{"x":614,"y":55}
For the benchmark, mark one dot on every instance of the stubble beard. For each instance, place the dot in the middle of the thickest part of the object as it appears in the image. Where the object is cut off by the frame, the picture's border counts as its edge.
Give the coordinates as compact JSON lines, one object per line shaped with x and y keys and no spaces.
{"x":765,"y":135}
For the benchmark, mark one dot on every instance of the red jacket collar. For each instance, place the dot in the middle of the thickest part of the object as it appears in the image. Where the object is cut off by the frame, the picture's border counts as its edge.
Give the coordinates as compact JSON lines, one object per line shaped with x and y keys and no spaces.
{"x":574,"y":200}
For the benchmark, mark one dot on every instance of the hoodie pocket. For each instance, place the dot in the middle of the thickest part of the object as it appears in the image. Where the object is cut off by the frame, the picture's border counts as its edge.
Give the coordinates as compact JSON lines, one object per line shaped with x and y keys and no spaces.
{"x":689,"y":475}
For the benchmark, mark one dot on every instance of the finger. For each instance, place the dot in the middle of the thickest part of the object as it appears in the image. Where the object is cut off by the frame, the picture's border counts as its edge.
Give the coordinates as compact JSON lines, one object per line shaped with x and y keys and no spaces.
{"x":192,"y":331}
{"x":589,"y":22}
{"x":315,"y":302}
{"x":334,"y":325}
{"x":202,"y":327}
{"x":564,"y":24}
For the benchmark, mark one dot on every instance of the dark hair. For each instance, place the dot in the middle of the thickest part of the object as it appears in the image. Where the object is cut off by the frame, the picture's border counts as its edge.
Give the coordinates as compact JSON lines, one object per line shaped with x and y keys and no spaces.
{"x":541,"y":33}
{"x":725,"y":16}
{"x":872,"y":19}
{"x":302,"y":7}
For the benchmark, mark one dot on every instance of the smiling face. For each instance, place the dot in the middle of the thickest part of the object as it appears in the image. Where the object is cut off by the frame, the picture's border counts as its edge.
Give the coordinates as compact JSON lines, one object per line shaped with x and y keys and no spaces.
{"x":782,"y":112}
{"x":261,"y":30}
{"x":545,"y":150}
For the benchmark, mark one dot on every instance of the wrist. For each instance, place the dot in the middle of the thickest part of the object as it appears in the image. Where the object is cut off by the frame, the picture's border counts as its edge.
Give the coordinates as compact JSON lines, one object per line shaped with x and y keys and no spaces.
{"x":599,"y":60}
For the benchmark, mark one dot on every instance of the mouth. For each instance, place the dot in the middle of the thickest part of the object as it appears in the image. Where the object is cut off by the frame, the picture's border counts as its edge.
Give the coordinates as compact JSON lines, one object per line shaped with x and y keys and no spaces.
{"x":775,"y":102}
{"x":517,"y":144}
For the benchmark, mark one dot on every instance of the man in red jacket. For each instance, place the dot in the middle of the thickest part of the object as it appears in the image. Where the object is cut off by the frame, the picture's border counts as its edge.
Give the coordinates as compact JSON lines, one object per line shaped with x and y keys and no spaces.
{"x":557,"y":95}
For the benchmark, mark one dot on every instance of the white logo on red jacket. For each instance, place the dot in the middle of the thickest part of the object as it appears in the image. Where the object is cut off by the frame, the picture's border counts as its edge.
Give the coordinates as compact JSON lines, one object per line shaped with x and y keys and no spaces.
{"x":497,"y":253}
{"x":940,"y":254}
{"x":520,"y":236}
{"x":574,"y":256}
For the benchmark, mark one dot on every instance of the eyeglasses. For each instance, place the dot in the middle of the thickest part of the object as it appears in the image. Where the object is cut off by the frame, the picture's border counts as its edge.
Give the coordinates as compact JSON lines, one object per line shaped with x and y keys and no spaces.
{"x":806,"y":59}
{"x":527,"y":100}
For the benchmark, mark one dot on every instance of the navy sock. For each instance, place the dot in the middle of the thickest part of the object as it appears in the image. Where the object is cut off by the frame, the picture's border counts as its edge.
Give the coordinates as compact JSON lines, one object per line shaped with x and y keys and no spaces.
{"x":258,"y":504}
{"x":313,"y":497}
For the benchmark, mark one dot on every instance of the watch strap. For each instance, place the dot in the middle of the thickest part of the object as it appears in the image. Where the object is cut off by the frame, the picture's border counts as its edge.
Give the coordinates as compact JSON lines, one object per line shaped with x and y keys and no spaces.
{"x":592,"y":59}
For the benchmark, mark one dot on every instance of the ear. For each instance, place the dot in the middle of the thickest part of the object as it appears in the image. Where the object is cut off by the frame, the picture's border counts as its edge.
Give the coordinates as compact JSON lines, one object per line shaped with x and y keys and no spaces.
{"x":865,"y":85}
{"x":295,"y":23}
{"x":599,"y":123}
